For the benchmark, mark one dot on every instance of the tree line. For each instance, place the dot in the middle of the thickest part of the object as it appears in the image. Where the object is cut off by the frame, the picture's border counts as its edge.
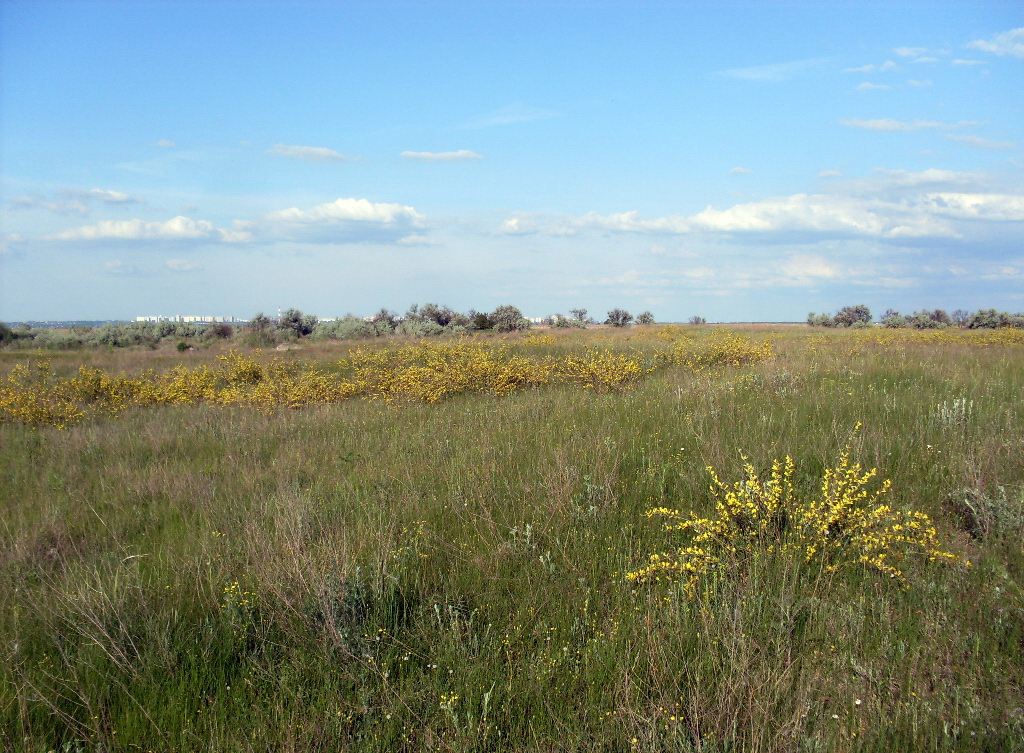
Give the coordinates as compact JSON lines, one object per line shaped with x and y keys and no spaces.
{"x":860,"y":316}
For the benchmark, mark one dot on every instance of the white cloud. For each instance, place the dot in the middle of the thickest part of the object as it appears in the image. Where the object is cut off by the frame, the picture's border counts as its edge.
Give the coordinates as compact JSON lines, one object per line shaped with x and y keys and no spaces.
{"x":927,"y":60}
{"x":1008,"y":43}
{"x":518,"y":226}
{"x":307,"y":153}
{"x":807,"y":267}
{"x":980,"y":141}
{"x":182,"y":265}
{"x":910,"y":52}
{"x":829,"y":172}
{"x":118,"y":267}
{"x":176,"y":229}
{"x":867,"y":85}
{"x":740,"y":170}
{"x":62,"y":207}
{"x":629,"y":222}
{"x":888,"y":65}
{"x":164,"y":143}
{"x":104,"y":195}
{"x":346,"y":210}
{"x":461,"y":155}
{"x":888,"y":124}
{"x":968,"y":62}
{"x":774,"y":72}
{"x":416,"y":240}
{"x":977,"y":206}
{"x":517,"y":113}
{"x":913,"y":82}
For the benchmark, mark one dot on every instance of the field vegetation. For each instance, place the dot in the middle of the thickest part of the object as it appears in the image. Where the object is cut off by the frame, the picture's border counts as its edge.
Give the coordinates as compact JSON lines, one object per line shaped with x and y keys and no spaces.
{"x":638,"y":538}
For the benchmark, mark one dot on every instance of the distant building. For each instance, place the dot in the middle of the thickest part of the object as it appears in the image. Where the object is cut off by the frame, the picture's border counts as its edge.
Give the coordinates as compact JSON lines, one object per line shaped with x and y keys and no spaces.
{"x":189,"y":319}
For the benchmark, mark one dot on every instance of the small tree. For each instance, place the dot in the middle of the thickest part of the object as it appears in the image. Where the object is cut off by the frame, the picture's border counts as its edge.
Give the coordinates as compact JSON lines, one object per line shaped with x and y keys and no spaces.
{"x":509,"y":319}
{"x":580,"y":315}
{"x":848,"y":316}
{"x":619,"y":318}
{"x":297,"y":322}
{"x":259,"y":323}
{"x":696,"y":320}
{"x":645,"y":318}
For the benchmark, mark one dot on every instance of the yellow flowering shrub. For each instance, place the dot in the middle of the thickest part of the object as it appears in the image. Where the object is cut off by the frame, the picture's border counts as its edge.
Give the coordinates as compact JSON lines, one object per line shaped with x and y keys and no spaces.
{"x":601,"y":370}
{"x":846,"y":525}
{"x":31,"y":395}
{"x":721,"y":348}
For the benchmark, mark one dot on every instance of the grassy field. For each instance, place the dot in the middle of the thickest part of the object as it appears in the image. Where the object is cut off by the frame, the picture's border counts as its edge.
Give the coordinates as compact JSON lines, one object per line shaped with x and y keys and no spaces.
{"x":373,"y":570}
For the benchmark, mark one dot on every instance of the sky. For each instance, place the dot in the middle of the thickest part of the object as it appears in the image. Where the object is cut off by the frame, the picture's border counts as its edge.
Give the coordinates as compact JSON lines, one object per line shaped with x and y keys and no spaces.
{"x":741,"y":161}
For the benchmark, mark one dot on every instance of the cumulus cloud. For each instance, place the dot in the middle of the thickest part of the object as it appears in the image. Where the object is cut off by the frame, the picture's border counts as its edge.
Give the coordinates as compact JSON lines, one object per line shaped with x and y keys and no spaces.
{"x":740,"y":170}
{"x":346,"y":210}
{"x":961,"y":61}
{"x":977,"y":206}
{"x":898,"y":207}
{"x":980,"y":141}
{"x":340,"y":221}
{"x":773,"y":72}
{"x":518,"y":226}
{"x":164,"y":143}
{"x":176,"y":229}
{"x":888,"y":65}
{"x":822,"y":214}
{"x":1008,"y":43}
{"x":889,"y":124}
{"x":416,"y":240}
{"x":462,"y":155}
{"x":307,"y":153}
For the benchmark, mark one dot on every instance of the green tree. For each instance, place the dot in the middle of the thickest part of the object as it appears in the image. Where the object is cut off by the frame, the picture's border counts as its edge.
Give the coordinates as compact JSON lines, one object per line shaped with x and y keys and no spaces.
{"x":619,"y":318}
{"x":509,"y":319}
{"x":645,"y":317}
{"x":297,"y":322}
{"x":848,"y":316}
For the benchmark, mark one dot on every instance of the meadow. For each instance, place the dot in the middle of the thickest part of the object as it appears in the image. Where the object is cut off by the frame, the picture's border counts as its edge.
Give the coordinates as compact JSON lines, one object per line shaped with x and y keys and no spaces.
{"x":447,"y":545}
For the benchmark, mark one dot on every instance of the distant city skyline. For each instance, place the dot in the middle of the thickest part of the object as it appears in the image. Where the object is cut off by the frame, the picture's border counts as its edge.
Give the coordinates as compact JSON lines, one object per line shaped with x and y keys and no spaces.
{"x":734,"y":160}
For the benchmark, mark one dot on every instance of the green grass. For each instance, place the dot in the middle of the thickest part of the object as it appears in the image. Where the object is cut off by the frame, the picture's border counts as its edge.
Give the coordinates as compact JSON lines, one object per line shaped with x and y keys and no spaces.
{"x":451,"y":576}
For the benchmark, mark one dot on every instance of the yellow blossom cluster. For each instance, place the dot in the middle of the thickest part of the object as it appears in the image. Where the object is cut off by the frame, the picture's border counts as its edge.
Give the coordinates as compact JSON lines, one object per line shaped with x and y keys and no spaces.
{"x":421,"y":372}
{"x":601,"y":370}
{"x":430,"y":371}
{"x":721,"y":348}
{"x":846,"y":525}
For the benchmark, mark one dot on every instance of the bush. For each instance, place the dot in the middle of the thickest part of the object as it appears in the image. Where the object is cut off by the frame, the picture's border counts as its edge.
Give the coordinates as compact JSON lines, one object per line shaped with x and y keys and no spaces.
{"x":295,"y":322}
{"x":698,"y":320}
{"x":820,"y":320}
{"x":983,"y":515}
{"x":619,"y":318}
{"x":561,"y":322}
{"x":349,"y":328}
{"x":509,"y":319}
{"x":846,"y":527}
{"x":847,"y":316}
{"x":645,"y":318}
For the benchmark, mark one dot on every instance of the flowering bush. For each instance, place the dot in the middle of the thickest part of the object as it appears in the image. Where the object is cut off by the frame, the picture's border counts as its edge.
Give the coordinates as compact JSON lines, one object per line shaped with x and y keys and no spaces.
{"x":846,"y":525}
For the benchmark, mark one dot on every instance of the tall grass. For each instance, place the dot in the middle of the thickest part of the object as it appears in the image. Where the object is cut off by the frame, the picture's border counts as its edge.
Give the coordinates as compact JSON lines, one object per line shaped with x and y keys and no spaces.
{"x":451,"y":576}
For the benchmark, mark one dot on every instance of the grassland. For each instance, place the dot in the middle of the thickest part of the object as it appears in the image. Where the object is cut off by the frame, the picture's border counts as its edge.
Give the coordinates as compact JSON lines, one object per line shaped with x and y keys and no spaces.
{"x":358,"y":573}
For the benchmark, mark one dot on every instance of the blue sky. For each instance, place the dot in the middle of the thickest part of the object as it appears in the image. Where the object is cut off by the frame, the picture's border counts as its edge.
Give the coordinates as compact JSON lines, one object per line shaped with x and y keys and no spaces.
{"x":740,"y":161}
